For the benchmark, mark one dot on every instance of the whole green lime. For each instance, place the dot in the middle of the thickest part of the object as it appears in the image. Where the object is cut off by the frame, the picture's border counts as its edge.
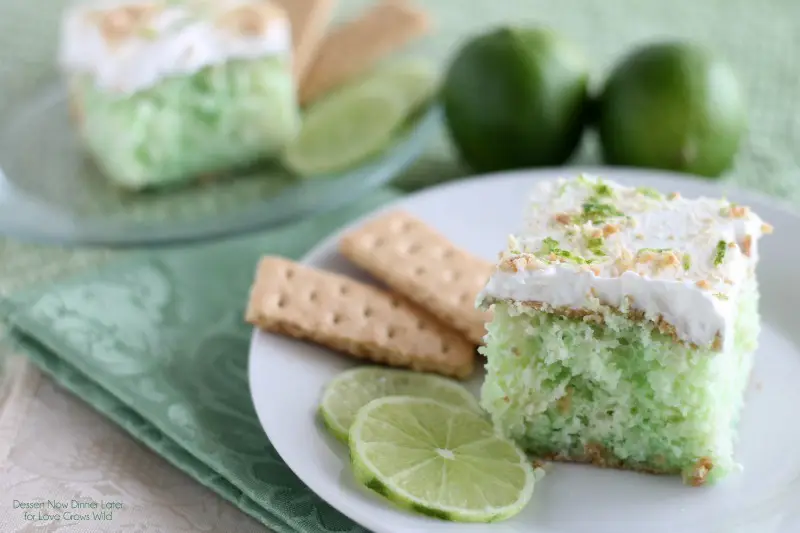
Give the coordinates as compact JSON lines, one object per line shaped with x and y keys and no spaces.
{"x":672,"y":106}
{"x":516,"y":97}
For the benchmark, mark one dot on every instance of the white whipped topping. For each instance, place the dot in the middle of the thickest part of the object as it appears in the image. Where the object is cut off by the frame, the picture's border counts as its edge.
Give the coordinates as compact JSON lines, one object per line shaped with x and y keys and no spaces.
{"x":130,"y":45}
{"x":661,"y":254}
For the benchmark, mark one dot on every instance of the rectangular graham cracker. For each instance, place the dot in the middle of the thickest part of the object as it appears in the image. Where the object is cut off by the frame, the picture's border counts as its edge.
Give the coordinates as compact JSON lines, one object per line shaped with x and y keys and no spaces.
{"x":422,"y":265}
{"x":355,"y":318}
{"x":353,"y":48}
{"x":309,"y":20}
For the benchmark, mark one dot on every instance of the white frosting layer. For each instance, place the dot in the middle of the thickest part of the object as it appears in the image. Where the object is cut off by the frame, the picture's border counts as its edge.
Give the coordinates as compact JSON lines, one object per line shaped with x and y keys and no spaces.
{"x":131,"y":45}
{"x":661,"y":254}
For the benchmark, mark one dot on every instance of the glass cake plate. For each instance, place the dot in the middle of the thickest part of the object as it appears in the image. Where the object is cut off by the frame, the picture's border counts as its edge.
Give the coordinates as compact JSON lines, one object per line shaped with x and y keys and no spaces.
{"x":51,"y":192}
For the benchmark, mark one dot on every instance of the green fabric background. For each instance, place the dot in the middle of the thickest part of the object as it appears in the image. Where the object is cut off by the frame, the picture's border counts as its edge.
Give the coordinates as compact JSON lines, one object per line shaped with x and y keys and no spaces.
{"x":125,"y":337}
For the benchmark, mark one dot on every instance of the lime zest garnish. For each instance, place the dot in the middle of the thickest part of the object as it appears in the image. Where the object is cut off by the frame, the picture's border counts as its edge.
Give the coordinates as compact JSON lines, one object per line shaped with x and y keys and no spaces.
{"x":595,"y":245}
{"x":549,"y":244}
{"x":596,"y":212}
{"x":687,"y":261}
{"x":550,"y":247}
{"x":650,"y":192}
{"x":602,"y":190}
{"x":148,"y":33}
{"x":719,"y":254}
{"x":654,"y":250}
{"x":513,"y":245}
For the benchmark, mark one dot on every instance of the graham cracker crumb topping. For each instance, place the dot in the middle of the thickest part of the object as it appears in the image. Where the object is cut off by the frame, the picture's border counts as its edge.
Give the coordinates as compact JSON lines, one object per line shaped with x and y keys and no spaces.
{"x":610,"y":229}
{"x":563,"y":218}
{"x":249,"y":19}
{"x":124,"y":22}
{"x":739,"y":211}
{"x":747,"y":245}
{"x":700,"y":471}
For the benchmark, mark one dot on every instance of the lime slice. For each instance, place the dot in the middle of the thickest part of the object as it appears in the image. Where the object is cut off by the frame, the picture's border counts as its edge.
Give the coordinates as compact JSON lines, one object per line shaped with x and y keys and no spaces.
{"x":345,"y":129}
{"x":353,"y":389}
{"x":439,"y":460}
{"x":360,"y":120}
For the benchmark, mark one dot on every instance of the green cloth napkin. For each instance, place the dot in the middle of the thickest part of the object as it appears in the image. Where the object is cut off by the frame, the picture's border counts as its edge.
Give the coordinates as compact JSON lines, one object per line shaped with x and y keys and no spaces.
{"x":158,"y":344}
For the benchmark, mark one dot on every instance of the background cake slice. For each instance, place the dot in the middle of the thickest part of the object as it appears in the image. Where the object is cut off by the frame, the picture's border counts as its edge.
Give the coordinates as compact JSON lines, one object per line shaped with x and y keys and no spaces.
{"x":163,"y":91}
{"x":624,"y":327}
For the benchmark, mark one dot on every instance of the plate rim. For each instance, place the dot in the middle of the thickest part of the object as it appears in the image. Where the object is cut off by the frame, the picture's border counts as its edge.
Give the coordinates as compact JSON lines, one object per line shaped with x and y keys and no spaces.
{"x":328,"y":244}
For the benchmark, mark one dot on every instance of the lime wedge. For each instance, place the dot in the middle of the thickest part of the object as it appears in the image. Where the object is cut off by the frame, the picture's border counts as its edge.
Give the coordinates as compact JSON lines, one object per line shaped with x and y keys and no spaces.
{"x":440,"y":460}
{"x":360,"y":120}
{"x":353,"y":389}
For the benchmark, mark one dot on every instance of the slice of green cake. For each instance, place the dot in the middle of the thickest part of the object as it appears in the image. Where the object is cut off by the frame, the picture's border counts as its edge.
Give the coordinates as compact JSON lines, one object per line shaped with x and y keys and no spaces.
{"x":624,"y":328}
{"x":168,"y":91}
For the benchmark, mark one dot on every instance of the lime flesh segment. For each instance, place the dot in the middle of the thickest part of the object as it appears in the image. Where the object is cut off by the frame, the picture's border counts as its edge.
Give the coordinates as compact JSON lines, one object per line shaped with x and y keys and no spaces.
{"x":439,"y":460}
{"x":353,"y":389}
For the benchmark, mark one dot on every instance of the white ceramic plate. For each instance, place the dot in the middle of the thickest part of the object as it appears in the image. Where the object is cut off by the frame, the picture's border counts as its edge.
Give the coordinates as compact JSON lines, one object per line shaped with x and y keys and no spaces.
{"x":286,"y":378}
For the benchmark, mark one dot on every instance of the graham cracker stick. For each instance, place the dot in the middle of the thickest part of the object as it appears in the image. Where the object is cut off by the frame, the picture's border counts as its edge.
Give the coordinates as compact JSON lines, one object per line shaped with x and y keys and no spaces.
{"x":422,"y":265}
{"x":355,"y":318}
{"x":355,"y":47}
{"x":310,"y":20}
